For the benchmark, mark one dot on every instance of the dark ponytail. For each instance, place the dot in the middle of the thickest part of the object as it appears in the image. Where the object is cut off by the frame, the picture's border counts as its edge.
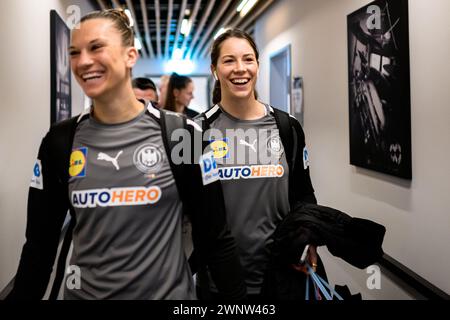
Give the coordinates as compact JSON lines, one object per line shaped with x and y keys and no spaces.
{"x":217,"y":94}
{"x":176,"y":81}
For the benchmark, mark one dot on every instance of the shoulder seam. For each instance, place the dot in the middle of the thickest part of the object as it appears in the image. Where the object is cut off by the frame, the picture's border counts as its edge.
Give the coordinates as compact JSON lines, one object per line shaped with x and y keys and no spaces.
{"x":153,"y":110}
{"x":83,"y":114}
{"x":212,"y":111}
{"x":194,"y":125}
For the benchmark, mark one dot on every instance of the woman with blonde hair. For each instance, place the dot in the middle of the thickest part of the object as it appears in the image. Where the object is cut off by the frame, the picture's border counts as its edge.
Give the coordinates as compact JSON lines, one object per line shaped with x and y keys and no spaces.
{"x":122,"y":189}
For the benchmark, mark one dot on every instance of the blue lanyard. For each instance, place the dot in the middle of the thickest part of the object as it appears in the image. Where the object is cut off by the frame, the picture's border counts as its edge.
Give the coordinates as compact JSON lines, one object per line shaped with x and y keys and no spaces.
{"x":317,"y":280}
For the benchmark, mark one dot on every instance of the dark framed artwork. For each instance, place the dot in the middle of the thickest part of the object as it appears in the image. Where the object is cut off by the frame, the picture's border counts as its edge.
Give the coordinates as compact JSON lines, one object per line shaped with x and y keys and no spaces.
{"x":379,"y":87}
{"x":61,"y":105}
{"x":297,"y":99}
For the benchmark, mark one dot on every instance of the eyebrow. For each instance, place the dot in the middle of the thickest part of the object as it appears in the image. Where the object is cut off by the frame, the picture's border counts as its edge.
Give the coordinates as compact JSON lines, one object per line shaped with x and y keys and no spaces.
{"x":232,"y":56}
{"x":90,"y":42}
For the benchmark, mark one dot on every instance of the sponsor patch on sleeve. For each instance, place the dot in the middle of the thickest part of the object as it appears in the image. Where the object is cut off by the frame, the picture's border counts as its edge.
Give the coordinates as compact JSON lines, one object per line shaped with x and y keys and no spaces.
{"x":208,"y":165}
{"x":37,"y":180}
{"x":305,"y":158}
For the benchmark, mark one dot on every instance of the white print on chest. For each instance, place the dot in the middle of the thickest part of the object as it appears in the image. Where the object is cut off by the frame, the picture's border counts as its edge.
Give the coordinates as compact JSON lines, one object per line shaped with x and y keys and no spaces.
{"x":114,"y":161}
{"x":251,"y":146}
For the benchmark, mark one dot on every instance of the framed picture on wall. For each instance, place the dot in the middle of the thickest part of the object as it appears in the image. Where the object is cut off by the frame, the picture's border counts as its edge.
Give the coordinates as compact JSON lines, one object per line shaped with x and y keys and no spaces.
{"x":379,"y":87}
{"x":297,"y":99}
{"x":61,"y":107}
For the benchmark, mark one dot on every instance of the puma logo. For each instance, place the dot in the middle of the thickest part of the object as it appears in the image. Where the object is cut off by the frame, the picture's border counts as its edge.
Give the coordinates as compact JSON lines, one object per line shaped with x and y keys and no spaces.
{"x":104,"y":156}
{"x":251,"y":146}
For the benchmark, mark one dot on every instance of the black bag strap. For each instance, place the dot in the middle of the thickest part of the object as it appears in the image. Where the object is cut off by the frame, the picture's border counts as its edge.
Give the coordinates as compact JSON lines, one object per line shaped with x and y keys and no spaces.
{"x":171,"y":121}
{"x":290,"y":141}
{"x":205,"y":120}
{"x":64,"y":133}
{"x":62,"y":259}
{"x":286,"y":134}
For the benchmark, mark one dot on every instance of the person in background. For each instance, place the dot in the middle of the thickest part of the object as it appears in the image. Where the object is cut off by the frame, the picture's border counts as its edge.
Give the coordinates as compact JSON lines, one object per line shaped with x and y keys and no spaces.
{"x":145,"y":89}
{"x":163,"y":84}
{"x":180,"y":92}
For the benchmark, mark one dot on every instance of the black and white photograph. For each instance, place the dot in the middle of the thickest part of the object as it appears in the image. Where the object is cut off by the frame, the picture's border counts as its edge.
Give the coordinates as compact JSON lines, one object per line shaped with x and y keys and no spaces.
{"x":297,"y":99}
{"x":60,"y":69}
{"x":379,"y":88}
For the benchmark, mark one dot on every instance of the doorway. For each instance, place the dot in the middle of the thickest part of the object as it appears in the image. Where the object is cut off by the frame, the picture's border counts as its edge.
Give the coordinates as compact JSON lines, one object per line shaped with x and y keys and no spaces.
{"x":280,"y":79}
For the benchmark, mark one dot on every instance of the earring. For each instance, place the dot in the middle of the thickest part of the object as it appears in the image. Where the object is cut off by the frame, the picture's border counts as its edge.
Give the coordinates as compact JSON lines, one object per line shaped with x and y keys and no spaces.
{"x":215,"y":76}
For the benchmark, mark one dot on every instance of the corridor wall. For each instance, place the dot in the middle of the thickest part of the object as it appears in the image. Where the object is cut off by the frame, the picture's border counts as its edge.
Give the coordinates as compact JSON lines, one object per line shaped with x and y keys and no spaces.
{"x":416,"y":213}
{"x":25,"y":111}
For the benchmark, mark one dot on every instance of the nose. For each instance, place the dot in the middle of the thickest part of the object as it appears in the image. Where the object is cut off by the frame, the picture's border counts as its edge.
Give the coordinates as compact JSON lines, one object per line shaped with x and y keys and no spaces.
{"x":240,"y":66}
{"x":84,"y":60}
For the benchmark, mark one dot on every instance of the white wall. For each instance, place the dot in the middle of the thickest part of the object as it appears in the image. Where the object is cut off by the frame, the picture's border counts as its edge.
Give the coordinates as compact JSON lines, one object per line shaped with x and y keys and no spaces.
{"x":156,"y":67}
{"x":25,"y":109}
{"x":416,"y":214}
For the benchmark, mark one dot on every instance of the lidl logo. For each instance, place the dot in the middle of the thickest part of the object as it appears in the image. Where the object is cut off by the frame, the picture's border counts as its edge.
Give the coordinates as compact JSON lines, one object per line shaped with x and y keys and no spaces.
{"x":220,"y":148}
{"x":78,"y":162}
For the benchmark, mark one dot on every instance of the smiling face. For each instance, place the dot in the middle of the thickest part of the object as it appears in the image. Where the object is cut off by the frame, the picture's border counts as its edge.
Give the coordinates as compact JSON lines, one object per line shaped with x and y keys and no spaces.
{"x":99,"y":60}
{"x":237,"y":69}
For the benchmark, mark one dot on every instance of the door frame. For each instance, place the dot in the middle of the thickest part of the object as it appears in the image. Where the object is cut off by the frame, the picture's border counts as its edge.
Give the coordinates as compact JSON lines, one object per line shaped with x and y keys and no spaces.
{"x":287,"y":51}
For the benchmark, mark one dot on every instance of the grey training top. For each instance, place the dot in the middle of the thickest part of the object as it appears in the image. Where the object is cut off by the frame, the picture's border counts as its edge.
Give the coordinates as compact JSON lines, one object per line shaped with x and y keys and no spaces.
{"x":254,"y":175}
{"x":127,"y":241}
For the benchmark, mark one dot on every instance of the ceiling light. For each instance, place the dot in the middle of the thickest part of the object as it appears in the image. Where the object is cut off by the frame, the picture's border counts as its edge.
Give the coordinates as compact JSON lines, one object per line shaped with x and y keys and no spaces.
{"x":247,"y":7}
{"x":184,"y":67}
{"x":241,"y":5}
{"x":185,"y":27}
{"x":177,"y":54}
{"x":187,"y":12}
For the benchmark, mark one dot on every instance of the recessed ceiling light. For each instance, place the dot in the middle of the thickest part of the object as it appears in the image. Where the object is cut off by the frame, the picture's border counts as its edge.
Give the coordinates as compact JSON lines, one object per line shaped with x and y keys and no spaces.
{"x":248,"y":5}
{"x":185,"y":27}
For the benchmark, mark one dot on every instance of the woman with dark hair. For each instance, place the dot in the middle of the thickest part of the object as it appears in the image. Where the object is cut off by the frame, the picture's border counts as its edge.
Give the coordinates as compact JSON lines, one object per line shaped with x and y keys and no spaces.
{"x":259,"y":184}
{"x":180,"y":92}
{"x":122,"y":188}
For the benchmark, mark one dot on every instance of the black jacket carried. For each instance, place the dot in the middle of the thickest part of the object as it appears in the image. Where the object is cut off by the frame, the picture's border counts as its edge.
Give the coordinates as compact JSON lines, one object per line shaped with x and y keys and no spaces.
{"x":357,"y":241}
{"x":47,"y":210}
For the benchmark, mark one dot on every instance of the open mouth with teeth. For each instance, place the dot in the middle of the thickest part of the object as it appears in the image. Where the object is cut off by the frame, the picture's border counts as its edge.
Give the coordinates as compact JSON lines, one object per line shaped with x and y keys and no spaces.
{"x":239,"y":82}
{"x":91,"y":76}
